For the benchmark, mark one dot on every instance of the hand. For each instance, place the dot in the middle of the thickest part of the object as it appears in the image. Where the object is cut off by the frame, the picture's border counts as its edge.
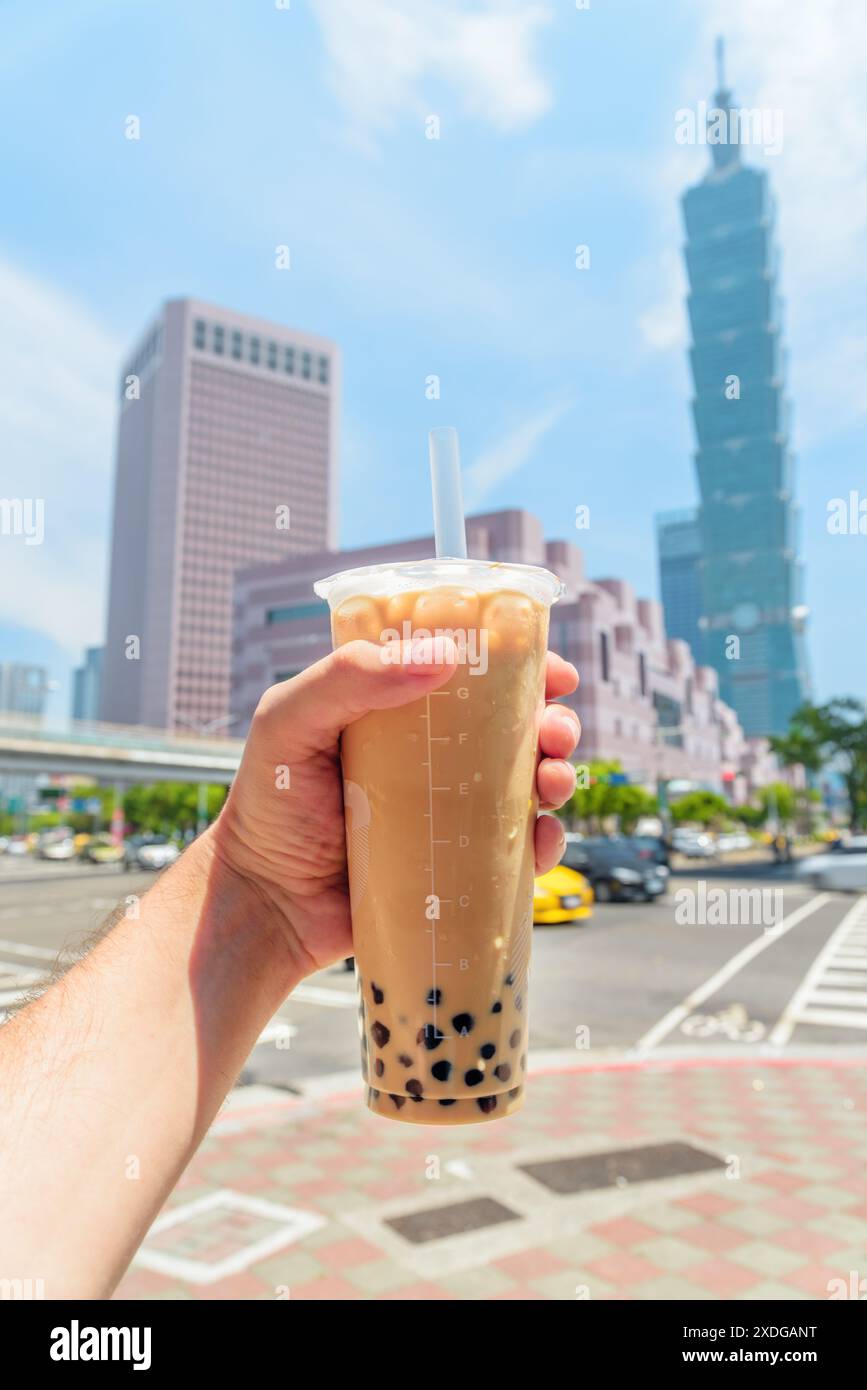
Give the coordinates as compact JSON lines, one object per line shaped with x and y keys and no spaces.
{"x":289,"y":844}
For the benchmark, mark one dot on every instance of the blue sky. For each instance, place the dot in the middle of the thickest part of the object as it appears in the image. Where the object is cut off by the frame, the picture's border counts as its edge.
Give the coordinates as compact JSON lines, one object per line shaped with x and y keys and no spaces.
{"x":305,"y":126}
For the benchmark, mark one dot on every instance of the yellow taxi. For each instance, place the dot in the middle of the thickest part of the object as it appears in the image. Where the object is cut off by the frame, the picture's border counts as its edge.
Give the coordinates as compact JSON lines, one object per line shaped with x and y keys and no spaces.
{"x":561,"y":895}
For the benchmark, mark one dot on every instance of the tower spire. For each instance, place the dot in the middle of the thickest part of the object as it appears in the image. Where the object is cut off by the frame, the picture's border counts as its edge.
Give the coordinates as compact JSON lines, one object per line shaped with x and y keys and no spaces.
{"x":727,"y":152}
{"x":720,"y":50}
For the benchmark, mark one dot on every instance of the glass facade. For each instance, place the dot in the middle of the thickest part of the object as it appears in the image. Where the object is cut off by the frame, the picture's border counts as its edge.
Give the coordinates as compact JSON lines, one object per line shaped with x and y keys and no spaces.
{"x":749,"y":576}
{"x":678,"y":543}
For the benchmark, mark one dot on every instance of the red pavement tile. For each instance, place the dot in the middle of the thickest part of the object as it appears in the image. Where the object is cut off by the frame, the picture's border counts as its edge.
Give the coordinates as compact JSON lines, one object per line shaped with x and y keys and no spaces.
{"x":344,"y":1254}
{"x":706,"y":1203}
{"x":139,"y":1283}
{"x":521,"y":1292}
{"x":309,"y":1191}
{"x":722,"y":1278}
{"x":708,"y":1236}
{"x":624,"y":1231}
{"x":805,"y":1241}
{"x":793,"y":1209}
{"x":241,"y":1285}
{"x":531,"y":1264}
{"x":393,"y":1187}
{"x":328,"y":1287}
{"x":814,"y":1279}
{"x":623,"y":1268}
{"x":783,"y":1182}
{"x":420,"y":1291}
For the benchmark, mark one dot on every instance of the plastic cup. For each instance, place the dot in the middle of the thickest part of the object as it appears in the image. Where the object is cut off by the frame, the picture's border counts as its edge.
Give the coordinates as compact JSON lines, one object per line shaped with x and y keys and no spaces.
{"x":440,"y":804}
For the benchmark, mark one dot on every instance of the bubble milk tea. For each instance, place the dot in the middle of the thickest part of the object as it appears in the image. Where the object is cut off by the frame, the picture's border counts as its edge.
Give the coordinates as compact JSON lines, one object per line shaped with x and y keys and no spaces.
{"x":440,"y":805}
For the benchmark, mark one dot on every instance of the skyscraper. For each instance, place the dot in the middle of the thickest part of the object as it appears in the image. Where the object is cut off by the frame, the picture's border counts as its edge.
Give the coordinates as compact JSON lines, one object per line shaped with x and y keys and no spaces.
{"x":750,"y":576}
{"x":86,"y":681}
{"x":678,"y":544}
{"x":23,"y":688}
{"x":226,"y":455}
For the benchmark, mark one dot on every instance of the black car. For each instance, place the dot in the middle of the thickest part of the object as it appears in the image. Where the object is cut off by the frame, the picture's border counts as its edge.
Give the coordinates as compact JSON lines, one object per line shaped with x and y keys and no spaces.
{"x":652,"y":848}
{"x":615,"y":870}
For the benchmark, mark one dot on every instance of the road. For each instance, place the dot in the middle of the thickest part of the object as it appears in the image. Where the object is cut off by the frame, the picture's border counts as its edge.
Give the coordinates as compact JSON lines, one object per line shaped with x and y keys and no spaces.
{"x":632,"y":977}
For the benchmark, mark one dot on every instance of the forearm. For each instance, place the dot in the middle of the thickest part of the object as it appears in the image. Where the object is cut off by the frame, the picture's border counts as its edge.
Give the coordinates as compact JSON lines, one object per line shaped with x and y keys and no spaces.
{"x":110,"y":1080}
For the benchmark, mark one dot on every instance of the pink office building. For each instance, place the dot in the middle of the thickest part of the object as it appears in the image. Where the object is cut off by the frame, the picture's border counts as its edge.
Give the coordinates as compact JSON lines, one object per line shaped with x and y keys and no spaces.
{"x":226,"y":455}
{"x":641,"y":700}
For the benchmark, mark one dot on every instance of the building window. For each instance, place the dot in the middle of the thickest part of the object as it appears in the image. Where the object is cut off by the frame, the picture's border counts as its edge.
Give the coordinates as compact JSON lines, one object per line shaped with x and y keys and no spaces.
{"x":297,"y":610}
{"x":603,"y":654}
{"x":237,"y":343}
{"x":688,"y":693}
{"x":219,"y":338}
{"x":254,"y":351}
{"x":642,"y":674}
{"x":289,"y":360}
{"x":199,"y":333}
{"x":272,"y":356}
{"x":323,"y":371}
{"x":306,"y":362}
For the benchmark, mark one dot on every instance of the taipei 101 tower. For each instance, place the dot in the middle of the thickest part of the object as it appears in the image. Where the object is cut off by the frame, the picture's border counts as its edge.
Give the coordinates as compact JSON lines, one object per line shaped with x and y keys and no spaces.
{"x":750,"y":577}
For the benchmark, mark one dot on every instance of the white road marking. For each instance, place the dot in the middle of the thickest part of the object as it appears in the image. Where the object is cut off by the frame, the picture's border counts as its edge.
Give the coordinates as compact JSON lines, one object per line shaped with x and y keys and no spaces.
{"x":18,"y":948}
{"x":817,"y":989}
{"x":277,"y":1028}
{"x":676,"y":1016}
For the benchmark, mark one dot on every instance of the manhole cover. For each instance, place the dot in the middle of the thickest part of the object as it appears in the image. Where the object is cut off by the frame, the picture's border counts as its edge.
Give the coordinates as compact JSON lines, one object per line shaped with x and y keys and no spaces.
{"x":438,"y":1222}
{"x":588,"y":1171}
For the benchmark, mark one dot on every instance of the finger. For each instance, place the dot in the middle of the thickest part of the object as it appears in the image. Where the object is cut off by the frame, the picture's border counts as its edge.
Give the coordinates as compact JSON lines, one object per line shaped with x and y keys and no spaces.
{"x":559,"y":732}
{"x":316,"y":705}
{"x":561,"y":678}
{"x":550,"y":843}
{"x":555,"y":779}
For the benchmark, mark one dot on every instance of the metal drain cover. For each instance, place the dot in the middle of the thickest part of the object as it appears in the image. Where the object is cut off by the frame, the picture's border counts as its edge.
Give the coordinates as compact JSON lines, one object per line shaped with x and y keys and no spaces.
{"x":435,"y":1223}
{"x":586,"y":1172}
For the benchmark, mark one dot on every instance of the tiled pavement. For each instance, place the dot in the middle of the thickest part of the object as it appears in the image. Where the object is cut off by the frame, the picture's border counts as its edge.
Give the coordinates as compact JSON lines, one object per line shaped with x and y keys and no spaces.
{"x":310,"y":1183}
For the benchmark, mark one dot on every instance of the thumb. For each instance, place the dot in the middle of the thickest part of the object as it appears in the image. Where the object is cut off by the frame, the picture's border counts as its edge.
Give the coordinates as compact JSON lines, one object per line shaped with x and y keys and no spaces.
{"x":361,"y":676}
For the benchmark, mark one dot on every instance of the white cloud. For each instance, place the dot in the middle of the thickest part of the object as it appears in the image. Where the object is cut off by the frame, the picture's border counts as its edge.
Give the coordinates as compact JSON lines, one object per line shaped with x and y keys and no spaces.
{"x":382,"y":52}
{"x":57,"y":414}
{"x":509,"y":454}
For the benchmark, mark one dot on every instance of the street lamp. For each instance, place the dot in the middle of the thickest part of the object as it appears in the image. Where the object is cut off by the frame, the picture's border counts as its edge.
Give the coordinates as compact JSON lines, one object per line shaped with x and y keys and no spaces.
{"x":210,"y":726}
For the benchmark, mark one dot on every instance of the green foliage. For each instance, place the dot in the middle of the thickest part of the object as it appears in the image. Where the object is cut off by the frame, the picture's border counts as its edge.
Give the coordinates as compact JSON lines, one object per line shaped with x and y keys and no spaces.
{"x":169,"y":807}
{"x":833,"y":733}
{"x":705,"y":808}
{"x":599,"y":798}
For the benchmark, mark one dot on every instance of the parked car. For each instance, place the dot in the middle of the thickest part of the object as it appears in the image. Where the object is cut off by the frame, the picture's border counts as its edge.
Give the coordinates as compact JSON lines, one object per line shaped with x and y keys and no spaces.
{"x":149,"y":852}
{"x":654,"y":850}
{"x":844,"y":872}
{"x":561,"y":895}
{"x":56,"y":844}
{"x":731,"y":840}
{"x":694,"y":844}
{"x":102,"y":849}
{"x":18,"y":845}
{"x":614,"y":870}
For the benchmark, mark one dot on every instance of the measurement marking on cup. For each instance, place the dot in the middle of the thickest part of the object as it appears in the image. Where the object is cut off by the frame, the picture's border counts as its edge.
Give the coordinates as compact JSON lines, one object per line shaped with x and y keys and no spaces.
{"x":430,"y":791}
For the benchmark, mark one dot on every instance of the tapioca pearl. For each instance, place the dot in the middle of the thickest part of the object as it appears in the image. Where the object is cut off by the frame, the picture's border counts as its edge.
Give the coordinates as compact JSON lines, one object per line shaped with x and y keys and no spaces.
{"x":503,"y":1072}
{"x":447,"y":1102}
{"x":398,"y":610}
{"x":514,"y":1037}
{"x":523,"y":1061}
{"x":441,"y":1071}
{"x":378,"y":994}
{"x":463,"y":1024}
{"x":379,"y":1066}
{"x":404,"y":1060}
{"x":399,"y":1102}
{"x":380,"y":1033}
{"x":473,"y":1076}
{"x":430,"y":1036}
{"x":446,"y":607}
{"x":374,"y":1094}
{"x":434,"y":996}
{"x":497,"y":1008}
{"x":487,"y":1103}
{"x":415,"y":1088}
{"x":512,"y":617}
{"x":357,"y":618}
{"x":519,"y":1002}
{"x":509,"y":980}
{"x":416,"y":1099}
{"x":487,"y":1050}
{"x":513,"y":1095}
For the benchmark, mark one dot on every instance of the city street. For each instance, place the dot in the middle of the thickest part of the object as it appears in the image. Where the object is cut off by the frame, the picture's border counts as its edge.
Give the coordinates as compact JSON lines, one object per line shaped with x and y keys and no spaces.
{"x":693,"y":1126}
{"x":630,"y":977}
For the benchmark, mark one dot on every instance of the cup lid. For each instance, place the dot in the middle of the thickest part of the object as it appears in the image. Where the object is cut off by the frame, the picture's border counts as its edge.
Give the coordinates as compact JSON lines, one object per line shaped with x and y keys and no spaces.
{"x":485,"y":576}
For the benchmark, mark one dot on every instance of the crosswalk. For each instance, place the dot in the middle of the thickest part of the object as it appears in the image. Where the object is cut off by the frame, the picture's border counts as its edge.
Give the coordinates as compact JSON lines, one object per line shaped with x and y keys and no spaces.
{"x":21,"y":968}
{"x":833,"y":993}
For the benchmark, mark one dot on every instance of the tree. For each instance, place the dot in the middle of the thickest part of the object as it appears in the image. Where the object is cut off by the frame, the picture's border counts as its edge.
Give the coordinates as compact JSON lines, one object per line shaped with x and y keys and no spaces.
{"x":167,"y":807}
{"x":601,"y":797}
{"x":703,"y":807}
{"x":833,"y":733}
